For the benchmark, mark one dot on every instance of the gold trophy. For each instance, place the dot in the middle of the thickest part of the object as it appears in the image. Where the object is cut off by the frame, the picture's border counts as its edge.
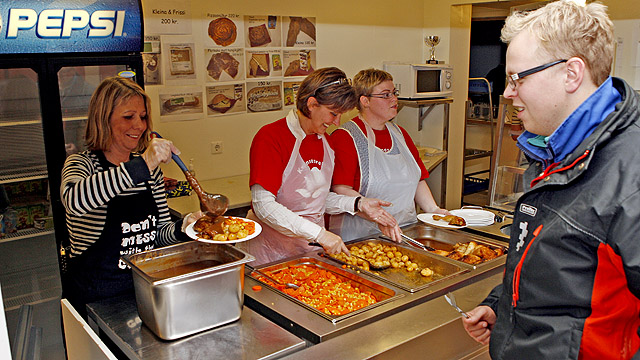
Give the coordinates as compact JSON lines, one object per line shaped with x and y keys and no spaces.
{"x":432,"y":41}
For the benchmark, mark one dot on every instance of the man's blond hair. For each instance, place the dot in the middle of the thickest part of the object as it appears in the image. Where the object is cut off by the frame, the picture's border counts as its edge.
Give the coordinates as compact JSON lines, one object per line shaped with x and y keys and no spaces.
{"x":565,"y":29}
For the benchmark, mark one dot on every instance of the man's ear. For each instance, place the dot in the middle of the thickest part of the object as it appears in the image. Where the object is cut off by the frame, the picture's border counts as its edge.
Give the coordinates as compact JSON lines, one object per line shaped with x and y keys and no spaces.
{"x":576,"y":72}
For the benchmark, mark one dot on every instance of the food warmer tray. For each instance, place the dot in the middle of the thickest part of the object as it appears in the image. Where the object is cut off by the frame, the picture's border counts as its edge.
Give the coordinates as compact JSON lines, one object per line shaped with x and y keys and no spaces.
{"x":443,"y":268}
{"x":444,"y":239}
{"x":382,"y":293}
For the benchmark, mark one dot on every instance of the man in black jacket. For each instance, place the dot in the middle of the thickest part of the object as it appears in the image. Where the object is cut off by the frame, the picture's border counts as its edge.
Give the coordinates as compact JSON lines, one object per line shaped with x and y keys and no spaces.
{"x":571,"y":286}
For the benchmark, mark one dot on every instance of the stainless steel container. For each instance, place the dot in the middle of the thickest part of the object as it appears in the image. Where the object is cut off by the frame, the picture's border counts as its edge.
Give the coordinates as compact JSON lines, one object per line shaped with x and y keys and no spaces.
{"x":189,"y":287}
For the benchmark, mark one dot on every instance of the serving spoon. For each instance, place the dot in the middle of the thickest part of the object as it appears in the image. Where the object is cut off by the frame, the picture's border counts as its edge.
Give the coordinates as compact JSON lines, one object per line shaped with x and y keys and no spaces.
{"x":213,"y":205}
{"x":289,"y":285}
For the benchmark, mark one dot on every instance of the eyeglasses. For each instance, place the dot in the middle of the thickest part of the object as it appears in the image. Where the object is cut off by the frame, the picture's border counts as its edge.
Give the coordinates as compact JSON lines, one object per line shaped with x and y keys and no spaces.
{"x":336,"y":82}
{"x":511,"y":79}
{"x":386,"y":95}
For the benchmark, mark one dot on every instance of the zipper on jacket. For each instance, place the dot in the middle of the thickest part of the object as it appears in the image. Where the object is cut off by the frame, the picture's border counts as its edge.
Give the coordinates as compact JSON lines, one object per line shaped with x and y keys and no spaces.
{"x":516,"y":272}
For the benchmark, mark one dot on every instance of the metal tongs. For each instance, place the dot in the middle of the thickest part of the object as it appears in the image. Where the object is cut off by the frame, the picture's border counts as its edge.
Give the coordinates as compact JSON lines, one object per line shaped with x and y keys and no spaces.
{"x":452,"y":301}
{"x":416,"y":243}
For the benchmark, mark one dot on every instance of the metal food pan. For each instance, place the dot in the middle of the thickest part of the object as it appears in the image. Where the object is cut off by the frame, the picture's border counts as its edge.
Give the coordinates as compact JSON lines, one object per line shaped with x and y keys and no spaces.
{"x":442,"y":239}
{"x":382,"y":293}
{"x":443,"y":268}
{"x":189,"y":287}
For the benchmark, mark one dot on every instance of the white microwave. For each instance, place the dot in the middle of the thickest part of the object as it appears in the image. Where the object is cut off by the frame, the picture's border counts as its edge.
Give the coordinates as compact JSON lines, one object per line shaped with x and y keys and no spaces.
{"x":421,"y":81}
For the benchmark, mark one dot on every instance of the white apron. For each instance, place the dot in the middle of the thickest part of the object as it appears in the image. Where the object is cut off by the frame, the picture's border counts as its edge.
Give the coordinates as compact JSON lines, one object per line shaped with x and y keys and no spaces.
{"x":303,"y":191}
{"x":391,"y":176}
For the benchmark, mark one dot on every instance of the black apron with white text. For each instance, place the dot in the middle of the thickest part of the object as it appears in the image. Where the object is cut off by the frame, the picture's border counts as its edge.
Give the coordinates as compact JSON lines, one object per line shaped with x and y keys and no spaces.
{"x":131,"y":227}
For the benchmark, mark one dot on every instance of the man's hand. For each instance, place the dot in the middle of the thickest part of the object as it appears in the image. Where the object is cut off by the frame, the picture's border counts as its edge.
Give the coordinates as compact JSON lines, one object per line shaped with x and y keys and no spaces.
{"x":480,"y":323}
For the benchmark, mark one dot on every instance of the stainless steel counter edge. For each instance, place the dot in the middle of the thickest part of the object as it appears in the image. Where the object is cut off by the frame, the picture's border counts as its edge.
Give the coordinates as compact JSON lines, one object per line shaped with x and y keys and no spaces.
{"x":430,"y":330}
{"x":314,"y":328}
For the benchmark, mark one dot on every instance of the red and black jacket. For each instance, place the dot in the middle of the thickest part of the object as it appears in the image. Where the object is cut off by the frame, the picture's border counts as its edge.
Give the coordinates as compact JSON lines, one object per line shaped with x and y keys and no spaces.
{"x":571,"y":288}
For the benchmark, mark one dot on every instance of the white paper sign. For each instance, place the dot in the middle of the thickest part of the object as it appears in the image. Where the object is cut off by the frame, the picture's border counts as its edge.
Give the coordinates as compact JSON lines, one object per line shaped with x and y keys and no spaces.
{"x":167,"y":17}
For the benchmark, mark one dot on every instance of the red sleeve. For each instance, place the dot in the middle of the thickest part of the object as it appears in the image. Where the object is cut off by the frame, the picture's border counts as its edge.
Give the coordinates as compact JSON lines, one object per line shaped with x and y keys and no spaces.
{"x":269,"y":154}
{"x":346,"y":170}
{"x":414,"y":151}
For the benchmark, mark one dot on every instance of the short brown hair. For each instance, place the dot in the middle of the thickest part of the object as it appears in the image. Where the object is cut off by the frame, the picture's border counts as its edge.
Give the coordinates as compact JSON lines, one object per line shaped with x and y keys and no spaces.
{"x":339,"y":96}
{"x":366,"y":80}
{"x":565,"y":29}
{"x":110,"y":93}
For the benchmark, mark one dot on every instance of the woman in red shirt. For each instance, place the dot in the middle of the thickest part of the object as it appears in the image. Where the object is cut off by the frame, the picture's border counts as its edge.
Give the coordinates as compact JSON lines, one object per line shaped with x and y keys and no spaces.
{"x":377,"y":158}
{"x":291,"y":169}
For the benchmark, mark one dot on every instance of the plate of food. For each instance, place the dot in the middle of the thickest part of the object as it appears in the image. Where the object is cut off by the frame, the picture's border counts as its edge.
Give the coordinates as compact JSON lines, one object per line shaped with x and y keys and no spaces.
{"x":223,"y":229}
{"x":446,"y":221}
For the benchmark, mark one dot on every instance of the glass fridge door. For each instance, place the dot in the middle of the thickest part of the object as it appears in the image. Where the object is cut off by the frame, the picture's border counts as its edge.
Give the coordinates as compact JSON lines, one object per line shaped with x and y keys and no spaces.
{"x":77,"y":84}
{"x":29,"y":275}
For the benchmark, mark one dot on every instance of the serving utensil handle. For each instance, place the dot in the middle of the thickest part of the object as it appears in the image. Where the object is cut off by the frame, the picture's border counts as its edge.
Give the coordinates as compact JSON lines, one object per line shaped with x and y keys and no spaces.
{"x":175,"y":157}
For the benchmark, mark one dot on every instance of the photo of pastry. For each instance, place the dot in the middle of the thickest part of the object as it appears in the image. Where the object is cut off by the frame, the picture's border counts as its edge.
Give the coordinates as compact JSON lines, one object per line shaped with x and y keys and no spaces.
{"x":151,"y":68}
{"x":223,"y":31}
{"x":224,"y":64}
{"x":188,"y":103}
{"x":301,"y":31}
{"x":263,"y":31}
{"x":299,"y":62}
{"x":225,"y":99}
{"x":258,"y":65}
{"x":181,"y":59}
{"x":264,"y":96}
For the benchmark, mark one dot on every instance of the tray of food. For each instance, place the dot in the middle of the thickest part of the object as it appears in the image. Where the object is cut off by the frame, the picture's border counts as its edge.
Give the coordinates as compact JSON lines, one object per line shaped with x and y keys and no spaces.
{"x":456,"y":246}
{"x":323,"y":288}
{"x":223,"y":229}
{"x":403,"y":266}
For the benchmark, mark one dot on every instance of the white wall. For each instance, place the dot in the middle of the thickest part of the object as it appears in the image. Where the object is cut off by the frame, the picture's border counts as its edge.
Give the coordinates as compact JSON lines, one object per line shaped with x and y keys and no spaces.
{"x":351,"y":35}
{"x":627,"y":64}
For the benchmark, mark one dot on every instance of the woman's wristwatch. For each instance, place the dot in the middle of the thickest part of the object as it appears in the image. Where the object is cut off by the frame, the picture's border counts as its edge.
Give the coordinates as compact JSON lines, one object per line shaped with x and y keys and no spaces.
{"x":356,"y":203}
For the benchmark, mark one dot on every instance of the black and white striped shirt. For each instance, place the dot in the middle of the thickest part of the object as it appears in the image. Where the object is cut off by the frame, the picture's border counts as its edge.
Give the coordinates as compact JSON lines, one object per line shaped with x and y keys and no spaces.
{"x":87,"y":188}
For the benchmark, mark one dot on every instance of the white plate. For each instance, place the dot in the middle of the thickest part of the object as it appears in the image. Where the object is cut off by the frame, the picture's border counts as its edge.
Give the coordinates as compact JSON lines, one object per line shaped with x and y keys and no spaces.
{"x":427,"y":218}
{"x":475,"y":217}
{"x":192,"y":233}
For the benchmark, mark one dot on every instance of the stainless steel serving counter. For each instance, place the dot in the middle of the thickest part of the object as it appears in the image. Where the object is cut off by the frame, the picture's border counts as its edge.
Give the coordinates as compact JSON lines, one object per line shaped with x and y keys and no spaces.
{"x":251,"y":337}
{"x":416,"y":322}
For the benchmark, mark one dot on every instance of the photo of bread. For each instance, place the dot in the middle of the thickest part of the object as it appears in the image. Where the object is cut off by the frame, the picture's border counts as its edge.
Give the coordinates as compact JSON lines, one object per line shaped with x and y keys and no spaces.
{"x":259,"y":65}
{"x":259,"y":35}
{"x":223,"y":31}
{"x":183,"y":103}
{"x":298,"y":24}
{"x":264,"y":98}
{"x":294,"y":69}
{"x":221,"y":103}
{"x":220,"y":62}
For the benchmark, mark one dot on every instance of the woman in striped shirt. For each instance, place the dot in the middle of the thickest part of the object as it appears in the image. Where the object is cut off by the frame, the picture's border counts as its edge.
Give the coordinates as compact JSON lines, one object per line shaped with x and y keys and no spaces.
{"x":114,"y":194}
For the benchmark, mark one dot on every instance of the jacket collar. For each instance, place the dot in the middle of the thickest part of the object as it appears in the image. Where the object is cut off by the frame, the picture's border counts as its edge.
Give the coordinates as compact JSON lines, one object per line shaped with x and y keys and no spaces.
{"x":573,"y":130}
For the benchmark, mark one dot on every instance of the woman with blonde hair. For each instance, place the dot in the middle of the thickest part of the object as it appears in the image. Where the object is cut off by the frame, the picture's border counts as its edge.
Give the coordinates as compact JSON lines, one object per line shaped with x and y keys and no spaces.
{"x":114,"y":194}
{"x":377,"y":158}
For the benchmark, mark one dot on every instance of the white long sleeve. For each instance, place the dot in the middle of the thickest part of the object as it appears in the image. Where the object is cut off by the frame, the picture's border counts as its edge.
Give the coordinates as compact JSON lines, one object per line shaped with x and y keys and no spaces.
{"x":279,"y":217}
{"x":337,"y":204}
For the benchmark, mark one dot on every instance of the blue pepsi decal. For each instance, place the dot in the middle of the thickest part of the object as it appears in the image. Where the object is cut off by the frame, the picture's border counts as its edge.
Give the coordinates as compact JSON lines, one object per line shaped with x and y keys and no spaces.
{"x":54,"y":26}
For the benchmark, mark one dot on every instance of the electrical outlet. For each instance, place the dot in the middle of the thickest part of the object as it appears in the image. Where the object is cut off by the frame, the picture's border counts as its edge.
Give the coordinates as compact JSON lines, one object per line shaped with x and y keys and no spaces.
{"x":216,"y":147}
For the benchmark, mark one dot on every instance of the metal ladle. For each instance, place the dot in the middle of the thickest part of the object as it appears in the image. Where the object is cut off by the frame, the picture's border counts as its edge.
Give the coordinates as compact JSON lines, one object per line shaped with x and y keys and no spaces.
{"x":213,"y":205}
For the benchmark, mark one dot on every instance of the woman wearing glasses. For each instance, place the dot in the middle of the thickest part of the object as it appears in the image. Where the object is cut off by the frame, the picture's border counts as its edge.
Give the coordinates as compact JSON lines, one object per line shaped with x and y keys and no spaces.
{"x":290,"y":175}
{"x":377,"y":158}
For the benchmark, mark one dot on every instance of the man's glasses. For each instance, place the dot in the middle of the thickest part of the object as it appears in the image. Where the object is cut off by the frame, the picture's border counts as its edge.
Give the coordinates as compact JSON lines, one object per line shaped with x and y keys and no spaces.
{"x":336,"y":82}
{"x":511,"y":79}
{"x":386,"y":95}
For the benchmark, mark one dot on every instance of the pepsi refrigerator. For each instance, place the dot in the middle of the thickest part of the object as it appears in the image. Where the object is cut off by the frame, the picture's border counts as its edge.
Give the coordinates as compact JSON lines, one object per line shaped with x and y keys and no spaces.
{"x":53,"y":54}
